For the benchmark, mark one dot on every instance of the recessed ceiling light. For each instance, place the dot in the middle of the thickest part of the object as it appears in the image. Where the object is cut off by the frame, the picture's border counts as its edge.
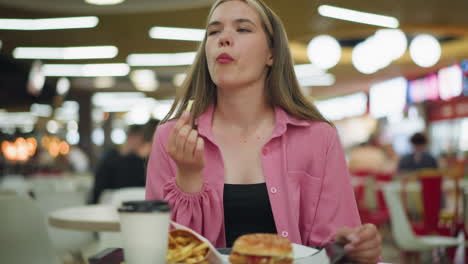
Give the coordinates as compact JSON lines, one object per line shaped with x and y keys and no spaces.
{"x":48,"y":23}
{"x":104,"y":2}
{"x":358,"y":16}
{"x":66,"y":53}
{"x":190,"y":34}
{"x":161,"y":59}
{"x":86,"y":70}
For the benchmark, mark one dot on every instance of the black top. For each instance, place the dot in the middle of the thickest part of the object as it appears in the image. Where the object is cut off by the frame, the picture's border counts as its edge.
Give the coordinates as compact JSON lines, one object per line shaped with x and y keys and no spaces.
{"x":116,"y":171}
{"x":409,"y":162}
{"x":247,"y":210}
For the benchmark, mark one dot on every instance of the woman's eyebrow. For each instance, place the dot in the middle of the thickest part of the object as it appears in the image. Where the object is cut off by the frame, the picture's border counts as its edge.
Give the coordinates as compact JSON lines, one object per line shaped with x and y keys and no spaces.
{"x":237,"y":21}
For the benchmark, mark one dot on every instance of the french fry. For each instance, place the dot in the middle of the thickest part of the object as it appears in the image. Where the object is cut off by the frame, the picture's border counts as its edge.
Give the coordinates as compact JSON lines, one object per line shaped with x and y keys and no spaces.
{"x":184,"y":247}
{"x":189,"y":106}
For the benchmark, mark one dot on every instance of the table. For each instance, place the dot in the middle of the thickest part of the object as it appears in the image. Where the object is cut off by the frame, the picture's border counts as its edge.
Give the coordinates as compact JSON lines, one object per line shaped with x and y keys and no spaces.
{"x":95,"y":218}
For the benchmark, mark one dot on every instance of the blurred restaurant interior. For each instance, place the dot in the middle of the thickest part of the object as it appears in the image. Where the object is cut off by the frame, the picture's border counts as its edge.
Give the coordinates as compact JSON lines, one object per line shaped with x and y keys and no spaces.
{"x":76,"y":76}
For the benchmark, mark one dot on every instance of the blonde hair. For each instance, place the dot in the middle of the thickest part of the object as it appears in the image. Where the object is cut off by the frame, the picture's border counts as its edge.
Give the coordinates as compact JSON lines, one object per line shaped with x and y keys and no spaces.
{"x":282,"y":87}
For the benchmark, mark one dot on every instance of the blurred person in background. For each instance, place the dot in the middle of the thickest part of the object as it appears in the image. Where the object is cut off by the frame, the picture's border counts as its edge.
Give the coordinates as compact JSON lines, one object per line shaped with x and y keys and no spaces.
{"x":254,"y":155}
{"x":125,"y":166}
{"x":419,"y":158}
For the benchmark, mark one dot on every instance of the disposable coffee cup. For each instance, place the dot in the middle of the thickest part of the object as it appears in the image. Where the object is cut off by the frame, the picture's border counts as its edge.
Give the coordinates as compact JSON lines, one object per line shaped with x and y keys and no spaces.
{"x":145,"y":227}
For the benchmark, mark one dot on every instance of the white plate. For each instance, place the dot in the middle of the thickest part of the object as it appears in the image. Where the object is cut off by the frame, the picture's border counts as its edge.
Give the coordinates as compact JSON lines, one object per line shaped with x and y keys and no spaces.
{"x":301,"y":251}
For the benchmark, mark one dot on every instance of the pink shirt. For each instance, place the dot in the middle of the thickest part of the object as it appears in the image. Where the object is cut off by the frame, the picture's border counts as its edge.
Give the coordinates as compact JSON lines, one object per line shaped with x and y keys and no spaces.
{"x":305,"y":172}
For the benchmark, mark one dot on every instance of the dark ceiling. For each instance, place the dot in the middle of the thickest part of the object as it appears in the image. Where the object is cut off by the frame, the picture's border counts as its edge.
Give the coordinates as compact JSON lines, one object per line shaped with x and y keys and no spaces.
{"x":126,"y":26}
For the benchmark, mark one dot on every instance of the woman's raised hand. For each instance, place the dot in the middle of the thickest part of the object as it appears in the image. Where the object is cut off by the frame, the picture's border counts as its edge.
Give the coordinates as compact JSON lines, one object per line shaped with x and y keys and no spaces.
{"x":186,"y":149}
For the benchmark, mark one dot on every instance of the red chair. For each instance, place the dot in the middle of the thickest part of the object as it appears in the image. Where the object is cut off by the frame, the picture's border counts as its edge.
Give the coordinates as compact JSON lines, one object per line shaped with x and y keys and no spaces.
{"x":379,"y":215}
{"x":431,"y":194}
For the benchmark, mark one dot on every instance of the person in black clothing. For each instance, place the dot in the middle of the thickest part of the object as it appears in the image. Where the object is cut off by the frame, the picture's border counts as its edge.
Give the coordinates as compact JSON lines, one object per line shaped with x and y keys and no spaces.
{"x":126,"y":166}
{"x":420,"y":158}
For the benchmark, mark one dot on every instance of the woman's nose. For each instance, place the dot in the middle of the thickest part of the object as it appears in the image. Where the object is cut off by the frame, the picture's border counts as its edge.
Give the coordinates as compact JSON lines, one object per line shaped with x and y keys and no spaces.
{"x":225,"y":40}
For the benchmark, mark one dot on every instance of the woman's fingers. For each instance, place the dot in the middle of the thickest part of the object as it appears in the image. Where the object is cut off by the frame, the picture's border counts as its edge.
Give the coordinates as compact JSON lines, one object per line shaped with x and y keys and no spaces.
{"x":181,"y":139}
{"x":183,"y":120}
{"x":190,"y":144}
{"x":199,"y":149}
{"x":364,"y":244}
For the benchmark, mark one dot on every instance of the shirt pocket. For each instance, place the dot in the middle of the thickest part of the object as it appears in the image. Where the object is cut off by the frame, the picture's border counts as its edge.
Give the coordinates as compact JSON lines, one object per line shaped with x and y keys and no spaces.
{"x":305,"y":193}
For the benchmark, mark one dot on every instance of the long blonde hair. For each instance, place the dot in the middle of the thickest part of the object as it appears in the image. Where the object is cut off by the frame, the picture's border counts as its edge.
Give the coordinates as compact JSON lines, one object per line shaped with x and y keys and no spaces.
{"x":282,"y":87}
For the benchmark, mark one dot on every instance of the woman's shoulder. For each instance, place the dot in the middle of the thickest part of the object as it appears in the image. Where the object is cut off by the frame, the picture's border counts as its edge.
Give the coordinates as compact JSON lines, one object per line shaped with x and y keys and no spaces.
{"x":318,"y":128}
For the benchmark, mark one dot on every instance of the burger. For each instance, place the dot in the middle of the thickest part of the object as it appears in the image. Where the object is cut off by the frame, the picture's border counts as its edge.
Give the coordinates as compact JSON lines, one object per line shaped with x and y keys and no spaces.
{"x":261,"y":249}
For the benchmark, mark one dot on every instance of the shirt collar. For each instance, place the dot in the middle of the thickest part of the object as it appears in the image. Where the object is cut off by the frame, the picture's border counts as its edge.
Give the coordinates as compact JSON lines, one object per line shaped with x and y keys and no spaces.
{"x":282,"y":120}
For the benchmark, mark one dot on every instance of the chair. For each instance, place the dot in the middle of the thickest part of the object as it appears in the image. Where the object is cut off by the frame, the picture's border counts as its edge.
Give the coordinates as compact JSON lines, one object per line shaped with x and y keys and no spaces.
{"x":127,"y":194}
{"x":64,"y":241}
{"x":369,"y":197}
{"x":403,"y":234}
{"x":23,"y":233}
{"x":431,"y":194}
{"x":115,"y":198}
{"x":16,"y":183}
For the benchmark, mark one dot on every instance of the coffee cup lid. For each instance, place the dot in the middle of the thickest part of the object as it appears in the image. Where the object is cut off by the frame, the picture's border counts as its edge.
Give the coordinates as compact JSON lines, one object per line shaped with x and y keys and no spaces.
{"x":145,"y":206}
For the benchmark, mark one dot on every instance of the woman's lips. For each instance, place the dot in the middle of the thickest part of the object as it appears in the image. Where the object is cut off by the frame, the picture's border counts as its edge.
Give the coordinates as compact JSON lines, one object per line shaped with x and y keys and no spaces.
{"x":224,"y":59}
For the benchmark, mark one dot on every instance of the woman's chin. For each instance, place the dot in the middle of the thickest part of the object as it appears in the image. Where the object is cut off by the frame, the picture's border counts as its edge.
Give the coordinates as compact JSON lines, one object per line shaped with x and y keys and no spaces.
{"x":228,"y":83}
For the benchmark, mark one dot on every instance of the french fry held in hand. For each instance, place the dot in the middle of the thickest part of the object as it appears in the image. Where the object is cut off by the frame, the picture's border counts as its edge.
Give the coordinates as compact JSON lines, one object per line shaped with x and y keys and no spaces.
{"x":184,"y":247}
{"x":189,"y":106}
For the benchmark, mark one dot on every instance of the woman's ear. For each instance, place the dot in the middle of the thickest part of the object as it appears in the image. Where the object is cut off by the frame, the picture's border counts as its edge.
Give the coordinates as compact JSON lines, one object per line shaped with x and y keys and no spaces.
{"x":270,"y":60}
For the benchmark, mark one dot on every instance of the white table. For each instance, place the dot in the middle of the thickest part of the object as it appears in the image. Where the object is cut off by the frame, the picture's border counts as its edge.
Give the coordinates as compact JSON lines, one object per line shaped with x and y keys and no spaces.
{"x":96,"y":218}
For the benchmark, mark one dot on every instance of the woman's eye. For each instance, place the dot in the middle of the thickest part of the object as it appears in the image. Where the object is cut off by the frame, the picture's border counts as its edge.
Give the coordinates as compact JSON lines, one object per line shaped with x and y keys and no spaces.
{"x":212,"y":32}
{"x":243,"y":30}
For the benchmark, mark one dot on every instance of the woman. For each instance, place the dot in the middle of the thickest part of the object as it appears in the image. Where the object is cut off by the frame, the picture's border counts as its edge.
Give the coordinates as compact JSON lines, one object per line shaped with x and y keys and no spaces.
{"x":262,"y":158}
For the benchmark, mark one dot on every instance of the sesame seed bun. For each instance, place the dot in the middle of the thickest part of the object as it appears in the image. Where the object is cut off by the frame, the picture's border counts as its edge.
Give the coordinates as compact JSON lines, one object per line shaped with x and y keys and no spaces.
{"x":270,"y":245}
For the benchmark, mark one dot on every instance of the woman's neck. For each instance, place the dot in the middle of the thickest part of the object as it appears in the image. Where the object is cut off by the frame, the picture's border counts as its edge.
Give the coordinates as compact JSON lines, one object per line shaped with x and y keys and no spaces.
{"x":243,"y":110}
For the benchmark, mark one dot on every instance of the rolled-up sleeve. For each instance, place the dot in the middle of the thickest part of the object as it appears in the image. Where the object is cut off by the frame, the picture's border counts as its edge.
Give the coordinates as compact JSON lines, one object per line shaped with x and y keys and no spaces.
{"x":337,"y":205}
{"x":199,"y":211}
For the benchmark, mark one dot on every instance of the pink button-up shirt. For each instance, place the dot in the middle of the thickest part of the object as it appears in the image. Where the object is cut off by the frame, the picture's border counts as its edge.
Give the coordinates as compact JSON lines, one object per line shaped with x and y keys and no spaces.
{"x":305,"y":172}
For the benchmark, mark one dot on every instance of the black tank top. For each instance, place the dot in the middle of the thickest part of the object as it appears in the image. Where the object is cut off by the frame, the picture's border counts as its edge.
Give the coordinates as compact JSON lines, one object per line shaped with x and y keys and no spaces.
{"x":247,"y":210}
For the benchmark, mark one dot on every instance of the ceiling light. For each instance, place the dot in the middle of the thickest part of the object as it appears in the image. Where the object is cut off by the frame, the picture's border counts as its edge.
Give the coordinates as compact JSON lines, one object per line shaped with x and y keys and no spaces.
{"x":98,"y":136}
{"x":324,"y":51}
{"x":36,"y":78}
{"x":320,"y":80}
{"x":63,"y":85}
{"x":161,"y":59}
{"x":42,"y":110}
{"x":190,"y":34}
{"x":104,"y":2}
{"x":52,"y":126}
{"x":86,"y":70}
{"x":48,"y":23}
{"x":179,"y":79}
{"x":66,"y":53}
{"x":73,"y":137}
{"x":120,"y":101}
{"x":368,"y":56}
{"x":344,"y":106}
{"x":144,"y":80}
{"x":118,"y":136}
{"x":306,"y":70}
{"x":393,"y":40}
{"x":358,"y":16}
{"x":425,"y":50}
{"x":388,"y":98}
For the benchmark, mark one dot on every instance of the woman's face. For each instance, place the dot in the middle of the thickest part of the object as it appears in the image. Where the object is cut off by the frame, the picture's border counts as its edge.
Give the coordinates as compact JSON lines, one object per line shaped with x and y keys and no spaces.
{"x":236,"y":49}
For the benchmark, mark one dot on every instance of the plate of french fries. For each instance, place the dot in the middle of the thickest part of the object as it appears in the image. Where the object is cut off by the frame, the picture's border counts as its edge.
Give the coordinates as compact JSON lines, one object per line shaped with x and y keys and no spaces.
{"x":184,"y":247}
{"x":187,"y":246}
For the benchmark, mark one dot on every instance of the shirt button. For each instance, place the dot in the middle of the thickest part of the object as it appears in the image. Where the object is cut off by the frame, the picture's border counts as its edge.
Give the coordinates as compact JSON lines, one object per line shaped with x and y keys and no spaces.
{"x":284,"y":234}
{"x":273,"y":190}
